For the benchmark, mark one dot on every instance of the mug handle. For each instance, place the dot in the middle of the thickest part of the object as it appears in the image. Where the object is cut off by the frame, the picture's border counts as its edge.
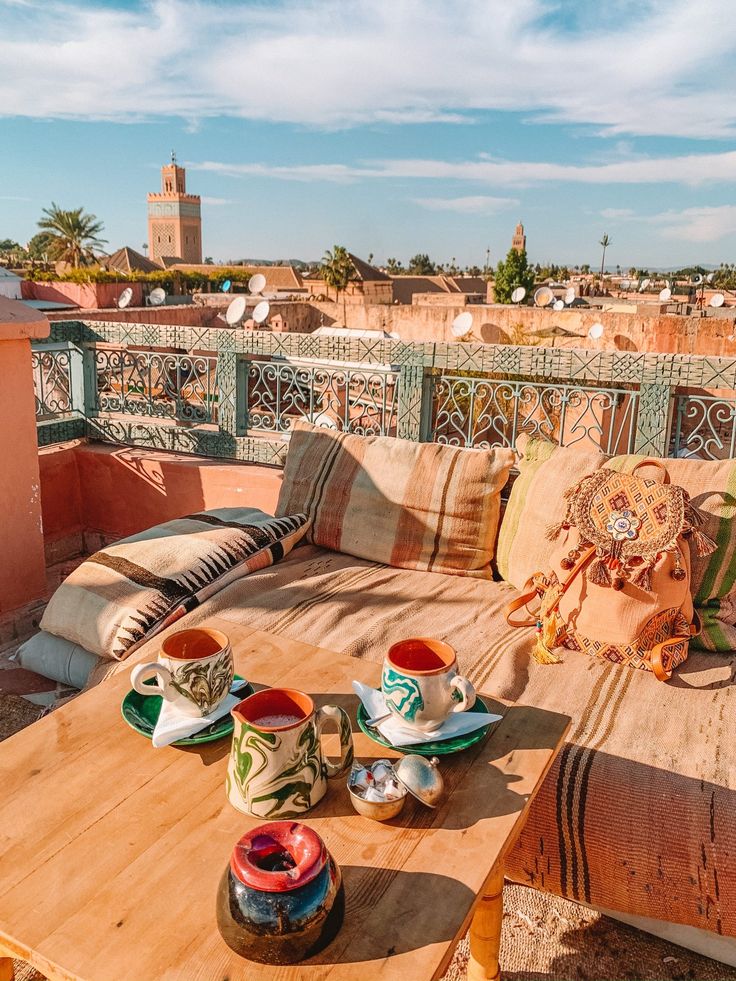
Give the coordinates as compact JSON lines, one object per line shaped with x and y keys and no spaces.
{"x":332,"y":713}
{"x":153,"y":670}
{"x":466,"y":691}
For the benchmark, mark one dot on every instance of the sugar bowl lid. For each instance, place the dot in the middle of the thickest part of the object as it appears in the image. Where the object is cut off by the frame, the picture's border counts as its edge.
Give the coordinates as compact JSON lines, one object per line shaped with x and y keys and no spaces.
{"x":422,"y":778}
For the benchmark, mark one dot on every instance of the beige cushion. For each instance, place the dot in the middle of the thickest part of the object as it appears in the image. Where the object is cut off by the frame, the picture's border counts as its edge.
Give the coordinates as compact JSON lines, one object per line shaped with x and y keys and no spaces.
{"x":411,"y":505}
{"x":536,"y":501}
{"x":129,"y":591}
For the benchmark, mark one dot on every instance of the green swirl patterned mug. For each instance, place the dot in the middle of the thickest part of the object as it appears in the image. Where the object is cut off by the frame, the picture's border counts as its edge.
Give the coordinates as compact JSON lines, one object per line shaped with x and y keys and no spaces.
{"x":421,"y":684}
{"x":194,"y":671}
{"x":277,"y":768}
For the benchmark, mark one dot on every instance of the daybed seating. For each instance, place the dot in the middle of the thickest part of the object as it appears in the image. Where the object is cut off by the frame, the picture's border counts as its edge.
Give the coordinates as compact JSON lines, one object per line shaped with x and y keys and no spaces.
{"x":638,"y":815}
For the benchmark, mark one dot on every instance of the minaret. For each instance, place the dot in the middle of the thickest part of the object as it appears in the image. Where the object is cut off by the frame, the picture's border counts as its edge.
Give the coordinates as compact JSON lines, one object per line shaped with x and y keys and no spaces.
{"x":174,"y":218}
{"x":518,"y":242}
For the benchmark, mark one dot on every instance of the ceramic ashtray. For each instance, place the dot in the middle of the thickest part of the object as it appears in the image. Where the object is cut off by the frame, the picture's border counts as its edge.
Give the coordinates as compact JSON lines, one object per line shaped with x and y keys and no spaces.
{"x":379,"y":791}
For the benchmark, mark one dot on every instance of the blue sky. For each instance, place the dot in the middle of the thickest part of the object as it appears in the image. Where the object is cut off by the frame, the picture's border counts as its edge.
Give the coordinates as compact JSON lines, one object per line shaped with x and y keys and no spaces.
{"x":390,"y":126}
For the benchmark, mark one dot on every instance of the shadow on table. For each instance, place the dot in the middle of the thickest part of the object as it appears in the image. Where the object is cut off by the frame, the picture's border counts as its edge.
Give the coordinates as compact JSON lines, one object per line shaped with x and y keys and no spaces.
{"x":417,"y":926}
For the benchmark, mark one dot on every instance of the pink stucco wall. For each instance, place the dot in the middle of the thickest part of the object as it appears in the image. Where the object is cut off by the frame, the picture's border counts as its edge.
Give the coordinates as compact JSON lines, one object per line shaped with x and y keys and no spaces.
{"x":85,"y":295}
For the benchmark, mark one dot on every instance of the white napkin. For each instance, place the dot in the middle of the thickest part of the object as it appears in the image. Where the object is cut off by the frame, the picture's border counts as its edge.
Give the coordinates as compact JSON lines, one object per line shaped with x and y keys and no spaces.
{"x":398,"y":734}
{"x":173,"y":725}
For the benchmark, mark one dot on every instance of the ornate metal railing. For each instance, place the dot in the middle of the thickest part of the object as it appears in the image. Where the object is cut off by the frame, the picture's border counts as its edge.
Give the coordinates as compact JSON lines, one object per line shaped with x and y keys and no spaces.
{"x":236,"y":393}
{"x":484,"y":412}
{"x":348,"y":398}
{"x":157,"y":384}
{"x":705,"y":427}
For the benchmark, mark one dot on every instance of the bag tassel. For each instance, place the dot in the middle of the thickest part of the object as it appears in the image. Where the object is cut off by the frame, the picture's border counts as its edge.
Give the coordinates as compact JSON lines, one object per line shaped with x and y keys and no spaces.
{"x":643,"y":578}
{"x":554,"y":531}
{"x":599,"y":574}
{"x":704,"y":544}
{"x":546,"y":640}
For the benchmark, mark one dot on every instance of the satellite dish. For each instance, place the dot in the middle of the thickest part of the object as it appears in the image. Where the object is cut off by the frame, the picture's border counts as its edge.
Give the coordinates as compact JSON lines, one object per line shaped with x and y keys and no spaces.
{"x":462,"y":324}
{"x":260,"y":314}
{"x":157,"y":296}
{"x":558,"y":305}
{"x":518,"y":295}
{"x":665,"y":294}
{"x":569,"y":295}
{"x":710,"y":277}
{"x":125,"y":297}
{"x":717,"y":300}
{"x":697,"y":280}
{"x":256,"y":283}
{"x":225,"y":288}
{"x":544,"y":296}
{"x":596,"y":331}
{"x":236,"y":311}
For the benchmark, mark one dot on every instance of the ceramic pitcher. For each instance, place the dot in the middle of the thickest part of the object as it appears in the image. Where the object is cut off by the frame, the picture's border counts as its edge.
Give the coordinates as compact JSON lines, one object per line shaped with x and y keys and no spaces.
{"x":277,"y":768}
{"x":421,"y":683}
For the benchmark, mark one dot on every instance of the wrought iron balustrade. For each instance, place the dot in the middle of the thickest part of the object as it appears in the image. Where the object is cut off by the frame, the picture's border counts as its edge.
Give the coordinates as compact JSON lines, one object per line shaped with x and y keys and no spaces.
{"x":354,"y":399}
{"x":182,"y":387}
{"x":484,"y":412}
{"x":239,"y":400}
{"x":705,"y":427}
{"x":52,"y":381}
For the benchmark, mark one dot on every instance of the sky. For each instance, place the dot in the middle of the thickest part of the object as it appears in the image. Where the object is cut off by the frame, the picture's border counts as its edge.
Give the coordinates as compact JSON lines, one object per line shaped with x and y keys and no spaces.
{"x":389,"y":126}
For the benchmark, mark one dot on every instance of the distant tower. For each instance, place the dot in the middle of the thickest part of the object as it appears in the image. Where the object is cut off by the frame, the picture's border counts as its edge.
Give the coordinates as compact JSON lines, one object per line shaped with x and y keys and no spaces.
{"x":174,"y":218}
{"x":518,"y":242}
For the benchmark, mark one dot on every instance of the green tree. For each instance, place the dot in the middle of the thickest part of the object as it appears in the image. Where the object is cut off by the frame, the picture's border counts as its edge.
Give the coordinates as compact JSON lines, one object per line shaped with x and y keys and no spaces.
{"x":337,"y":271}
{"x":605,"y":242}
{"x":515,"y":271}
{"x":421,"y":265}
{"x":40,"y":245}
{"x":75,"y":235}
{"x":8,"y":245}
{"x":394,"y":267}
{"x":585,"y":268}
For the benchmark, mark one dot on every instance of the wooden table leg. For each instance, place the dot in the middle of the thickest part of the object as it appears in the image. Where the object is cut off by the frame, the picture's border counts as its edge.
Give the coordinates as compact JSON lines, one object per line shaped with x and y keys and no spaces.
{"x":485,"y":931}
{"x":6,"y":969}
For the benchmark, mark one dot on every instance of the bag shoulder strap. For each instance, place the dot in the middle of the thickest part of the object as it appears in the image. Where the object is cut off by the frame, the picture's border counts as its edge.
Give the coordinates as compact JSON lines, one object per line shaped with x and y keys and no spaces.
{"x":529,"y":594}
{"x":651,"y":462}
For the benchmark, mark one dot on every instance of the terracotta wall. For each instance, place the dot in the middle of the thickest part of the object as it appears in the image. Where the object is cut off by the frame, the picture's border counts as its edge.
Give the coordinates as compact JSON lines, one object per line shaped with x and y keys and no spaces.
{"x":186,"y":315}
{"x":90,"y":490}
{"x":87,"y":295}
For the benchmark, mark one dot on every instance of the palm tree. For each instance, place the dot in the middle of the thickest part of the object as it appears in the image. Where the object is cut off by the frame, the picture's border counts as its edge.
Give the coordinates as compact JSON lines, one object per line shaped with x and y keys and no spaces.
{"x":337,"y":271}
{"x":74,"y":234}
{"x":605,"y":242}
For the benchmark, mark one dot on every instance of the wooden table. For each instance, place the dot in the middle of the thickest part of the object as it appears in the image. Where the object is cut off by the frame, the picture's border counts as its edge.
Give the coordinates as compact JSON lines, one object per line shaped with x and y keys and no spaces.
{"x":112,"y":851}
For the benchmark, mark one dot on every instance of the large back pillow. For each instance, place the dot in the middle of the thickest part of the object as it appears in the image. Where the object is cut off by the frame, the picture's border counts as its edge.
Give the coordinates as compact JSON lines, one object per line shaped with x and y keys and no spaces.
{"x":410,"y":505}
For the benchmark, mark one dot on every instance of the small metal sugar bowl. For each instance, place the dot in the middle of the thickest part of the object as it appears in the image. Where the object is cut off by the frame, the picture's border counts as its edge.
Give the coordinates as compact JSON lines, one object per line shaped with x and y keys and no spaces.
{"x":379,"y":791}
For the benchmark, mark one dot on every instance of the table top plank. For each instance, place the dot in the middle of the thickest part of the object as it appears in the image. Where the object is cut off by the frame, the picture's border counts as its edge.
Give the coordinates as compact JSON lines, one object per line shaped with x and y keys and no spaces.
{"x":125,"y":887}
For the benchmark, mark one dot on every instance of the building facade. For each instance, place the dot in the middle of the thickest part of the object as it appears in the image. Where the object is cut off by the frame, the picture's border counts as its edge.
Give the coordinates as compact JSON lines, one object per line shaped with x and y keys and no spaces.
{"x":518,"y":242}
{"x":174,"y":218}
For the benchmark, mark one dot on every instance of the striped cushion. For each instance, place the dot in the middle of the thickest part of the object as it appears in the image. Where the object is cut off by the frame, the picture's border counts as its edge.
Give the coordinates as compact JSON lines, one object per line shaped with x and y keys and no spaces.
{"x":126,"y":593}
{"x":711,"y":485}
{"x":410,"y":505}
{"x":546,"y":470}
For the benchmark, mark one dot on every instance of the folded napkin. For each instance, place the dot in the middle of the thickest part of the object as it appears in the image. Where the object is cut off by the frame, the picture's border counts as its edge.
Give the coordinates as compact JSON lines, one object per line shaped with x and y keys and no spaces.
{"x":399,"y":734}
{"x":173,"y":725}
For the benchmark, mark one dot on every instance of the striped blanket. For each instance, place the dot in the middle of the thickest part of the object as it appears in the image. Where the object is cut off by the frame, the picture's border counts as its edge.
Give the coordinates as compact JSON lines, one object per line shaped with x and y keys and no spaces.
{"x":639,"y":812}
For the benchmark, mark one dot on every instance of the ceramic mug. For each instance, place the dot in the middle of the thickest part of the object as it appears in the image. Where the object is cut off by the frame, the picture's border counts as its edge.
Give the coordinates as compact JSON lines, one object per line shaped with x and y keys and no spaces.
{"x":421,"y":684}
{"x":277,"y":768}
{"x":194,"y":671}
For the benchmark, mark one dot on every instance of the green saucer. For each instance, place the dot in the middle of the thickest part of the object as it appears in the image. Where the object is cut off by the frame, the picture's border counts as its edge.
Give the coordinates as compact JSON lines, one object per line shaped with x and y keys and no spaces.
{"x":141,"y":712}
{"x":440,"y":747}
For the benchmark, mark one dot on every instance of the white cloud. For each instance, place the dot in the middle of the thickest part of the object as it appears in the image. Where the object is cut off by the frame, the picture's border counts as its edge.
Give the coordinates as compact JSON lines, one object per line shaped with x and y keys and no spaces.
{"x":697,"y":224}
{"x":616,"y":214}
{"x":215,"y":201}
{"x":663,"y":67}
{"x":473,"y":205}
{"x":693,"y":169}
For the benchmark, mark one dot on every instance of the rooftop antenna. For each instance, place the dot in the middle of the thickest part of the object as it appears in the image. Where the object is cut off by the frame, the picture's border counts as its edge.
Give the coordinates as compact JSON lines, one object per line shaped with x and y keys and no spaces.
{"x":569,"y":296}
{"x":710,"y":277}
{"x":173,"y":156}
{"x":595,"y":331}
{"x":157,"y":296}
{"x":665,"y":294}
{"x":125,"y":297}
{"x":558,"y":305}
{"x":462,"y":325}
{"x":235,"y":312}
{"x":260,"y":314}
{"x":226,"y":286}
{"x":518,"y":295}
{"x":256,"y":283}
{"x":717,"y":300}
{"x":543,"y":296}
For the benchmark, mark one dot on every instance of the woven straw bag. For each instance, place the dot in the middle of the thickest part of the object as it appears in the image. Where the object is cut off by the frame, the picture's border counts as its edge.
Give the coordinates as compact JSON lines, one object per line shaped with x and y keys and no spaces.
{"x":619,"y":581}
